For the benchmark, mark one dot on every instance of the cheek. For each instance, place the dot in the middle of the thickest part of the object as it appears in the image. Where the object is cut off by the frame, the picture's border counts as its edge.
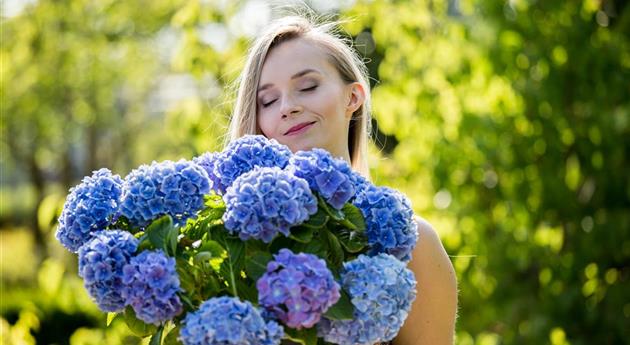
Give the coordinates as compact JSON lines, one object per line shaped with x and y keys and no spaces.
{"x":331,"y":104}
{"x":266,"y":125}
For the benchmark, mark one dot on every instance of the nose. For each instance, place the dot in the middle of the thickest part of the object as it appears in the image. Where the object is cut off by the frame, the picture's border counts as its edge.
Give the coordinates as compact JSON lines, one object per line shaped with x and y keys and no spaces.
{"x":290,"y":107}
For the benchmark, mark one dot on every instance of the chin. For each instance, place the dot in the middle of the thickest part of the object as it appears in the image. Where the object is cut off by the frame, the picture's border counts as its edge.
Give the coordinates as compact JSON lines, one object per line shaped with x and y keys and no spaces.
{"x":299,"y":145}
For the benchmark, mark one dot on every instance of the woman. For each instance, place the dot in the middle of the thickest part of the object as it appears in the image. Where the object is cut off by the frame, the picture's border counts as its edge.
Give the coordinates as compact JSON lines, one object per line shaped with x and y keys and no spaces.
{"x":304,"y":87}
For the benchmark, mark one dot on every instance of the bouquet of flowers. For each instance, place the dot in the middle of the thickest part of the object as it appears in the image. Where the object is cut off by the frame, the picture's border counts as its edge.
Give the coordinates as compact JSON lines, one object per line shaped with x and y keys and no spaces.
{"x":251,"y":245}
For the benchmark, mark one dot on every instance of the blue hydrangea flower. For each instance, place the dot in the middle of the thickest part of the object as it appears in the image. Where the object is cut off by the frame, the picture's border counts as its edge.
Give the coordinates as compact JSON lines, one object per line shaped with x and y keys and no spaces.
{"x":101,"y":262}
{"x":359,"y":182}
{"x":391,"y":227}
{"x":151,"y":286}
{"x":245,"y":153}
{"x":173,"y":188}
{"x":208,"y":162}
{"x":228,"y":321}
{"x":328,"y":176}
{"x":297,"y":288}
{"x":382,"y":290}
{"x":90,"y":206}
{"x":265,"y":201}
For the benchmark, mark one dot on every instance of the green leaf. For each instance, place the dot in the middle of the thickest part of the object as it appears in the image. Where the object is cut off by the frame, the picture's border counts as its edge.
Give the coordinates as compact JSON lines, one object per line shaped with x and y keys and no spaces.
{"x":122,"y":223}
{"x":143,"y":242}
{"x":281,"y":242}
{"x":171,"y":241}
{"x":211,"y":252}
{"x":236,"y":252}
{"x":330,"y":211}
{"x":187,"y":302}
{"x":318,"y":220}
{"x":317,"y":247}
{"x":211,"y":287}
{"x":256,"y":266}
{"x":305,"y":336}
{"x":213,"y":247}
{"x":247,"y":290}
{"x":156,"y":338}
{"x":342,"y":310}
{"x":310,"y":335}
{"x":111,"y":317}
{"x":214,"y":214}
{"x":158,"y":232}
{"x":335,"y":252}
{"x":354,"y":215}
{"x":253,"y":245}
{"x":186,"y":278}
{"x":289,"y":334}
{"x":231,"y":266}
{"x":352,"y":240}
{"x":202,"y":257}
{"x":171,"y":337}
{"x":214,"y":201}
{"x":136,"y":326}
{"x":302,"y":234}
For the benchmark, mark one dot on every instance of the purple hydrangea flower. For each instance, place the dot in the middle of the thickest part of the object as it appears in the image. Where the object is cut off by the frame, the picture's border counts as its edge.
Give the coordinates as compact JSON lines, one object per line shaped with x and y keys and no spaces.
{"x":228,"y":321}
{"x":389,"y":219}
{"x":90,"y":206}
{"x":101,"y":262}
{"x":246,"y":153}
{"x":297,"y":289}
{"x":173,"y":188}
{"x":382,"y":290}
{"x":208,"y":162}
{"x":265,"y":201}
{"x":151,"y":286}
{"x":330,"y":177}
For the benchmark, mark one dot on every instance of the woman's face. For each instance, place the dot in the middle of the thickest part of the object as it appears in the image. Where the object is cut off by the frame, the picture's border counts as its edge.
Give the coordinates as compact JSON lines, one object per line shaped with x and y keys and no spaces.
{"x":302,"y":101}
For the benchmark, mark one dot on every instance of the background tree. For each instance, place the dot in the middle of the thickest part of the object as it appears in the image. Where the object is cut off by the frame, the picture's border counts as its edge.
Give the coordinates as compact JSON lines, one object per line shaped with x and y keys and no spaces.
{"x":506,"y":122}
{"x":512,"y":126}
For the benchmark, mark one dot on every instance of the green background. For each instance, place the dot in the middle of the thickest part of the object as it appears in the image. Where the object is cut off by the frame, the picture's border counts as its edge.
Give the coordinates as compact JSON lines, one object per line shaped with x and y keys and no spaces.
{"x":505,"y":122}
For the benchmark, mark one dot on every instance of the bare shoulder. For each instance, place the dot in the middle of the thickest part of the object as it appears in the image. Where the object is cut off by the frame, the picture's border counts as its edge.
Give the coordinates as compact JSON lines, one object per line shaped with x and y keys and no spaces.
{"x":430,"y":258}
{"x":427,"y":236}
{"x":433,"y":313}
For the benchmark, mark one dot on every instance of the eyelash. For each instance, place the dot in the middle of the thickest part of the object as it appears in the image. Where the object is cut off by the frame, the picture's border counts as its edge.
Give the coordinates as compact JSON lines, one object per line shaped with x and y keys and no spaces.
{"x":265,"y":105}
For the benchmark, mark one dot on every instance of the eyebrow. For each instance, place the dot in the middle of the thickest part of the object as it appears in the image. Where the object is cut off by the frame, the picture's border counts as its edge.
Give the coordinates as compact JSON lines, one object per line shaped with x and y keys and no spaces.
{"x":295,"y":76}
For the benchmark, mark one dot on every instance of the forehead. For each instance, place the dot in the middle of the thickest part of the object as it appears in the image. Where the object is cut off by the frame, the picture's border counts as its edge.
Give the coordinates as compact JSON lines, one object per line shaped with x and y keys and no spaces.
{"x":293,"y":56}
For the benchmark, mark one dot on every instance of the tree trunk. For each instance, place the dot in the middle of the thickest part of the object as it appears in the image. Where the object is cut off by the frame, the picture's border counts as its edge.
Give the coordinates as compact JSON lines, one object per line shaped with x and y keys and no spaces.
{"x":38,"y":182}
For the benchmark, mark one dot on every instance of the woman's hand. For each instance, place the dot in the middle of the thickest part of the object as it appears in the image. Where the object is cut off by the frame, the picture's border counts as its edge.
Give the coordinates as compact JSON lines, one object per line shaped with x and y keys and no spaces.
{"x":431,"y":320}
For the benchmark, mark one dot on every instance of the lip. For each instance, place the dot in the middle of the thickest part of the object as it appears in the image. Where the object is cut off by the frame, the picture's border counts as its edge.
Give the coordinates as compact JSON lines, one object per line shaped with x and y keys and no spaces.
{"x":299,"y":128}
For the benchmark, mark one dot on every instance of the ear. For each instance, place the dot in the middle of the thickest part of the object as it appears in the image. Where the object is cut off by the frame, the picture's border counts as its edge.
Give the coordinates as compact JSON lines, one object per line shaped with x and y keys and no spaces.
{"x":355,"y":98}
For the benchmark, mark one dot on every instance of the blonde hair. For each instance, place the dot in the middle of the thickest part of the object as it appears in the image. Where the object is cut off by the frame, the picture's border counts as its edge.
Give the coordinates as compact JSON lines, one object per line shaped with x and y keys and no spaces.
{"x":350,"y":67}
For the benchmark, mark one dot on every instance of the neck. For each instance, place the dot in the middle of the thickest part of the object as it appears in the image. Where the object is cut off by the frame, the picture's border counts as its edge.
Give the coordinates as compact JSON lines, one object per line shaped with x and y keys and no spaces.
{"x":342,"y":154}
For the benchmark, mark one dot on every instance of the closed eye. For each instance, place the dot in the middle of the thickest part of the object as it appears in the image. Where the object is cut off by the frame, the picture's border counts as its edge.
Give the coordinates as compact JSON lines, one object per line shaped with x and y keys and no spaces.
{"x":265,"y":105}
{"x":310,"y":88}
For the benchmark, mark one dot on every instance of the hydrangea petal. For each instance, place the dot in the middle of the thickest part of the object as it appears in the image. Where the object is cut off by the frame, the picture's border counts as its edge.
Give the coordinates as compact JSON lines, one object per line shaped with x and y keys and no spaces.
{"x":252,"y":213}
{"x":382,"y":290}
{"x":90,"y":206}
{"x":150,"y":287}
{"x":173,"y":188}
{"x":297,"y":288}
{"x":101,"y":263}
{"x":228,"y":321}
{"x":330,"y":177}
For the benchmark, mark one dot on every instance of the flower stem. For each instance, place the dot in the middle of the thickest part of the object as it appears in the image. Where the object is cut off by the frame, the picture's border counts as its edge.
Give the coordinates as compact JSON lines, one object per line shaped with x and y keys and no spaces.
{"x":348,"y":224}
{"x":233,"y":282}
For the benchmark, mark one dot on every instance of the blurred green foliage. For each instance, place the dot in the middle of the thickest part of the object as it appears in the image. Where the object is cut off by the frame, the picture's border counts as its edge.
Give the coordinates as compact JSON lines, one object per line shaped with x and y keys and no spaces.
{"x":506,"y":122}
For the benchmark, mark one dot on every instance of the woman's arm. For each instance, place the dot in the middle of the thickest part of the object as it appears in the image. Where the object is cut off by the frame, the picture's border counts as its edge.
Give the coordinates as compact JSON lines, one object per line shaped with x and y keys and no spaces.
{"x":431,"y":320}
